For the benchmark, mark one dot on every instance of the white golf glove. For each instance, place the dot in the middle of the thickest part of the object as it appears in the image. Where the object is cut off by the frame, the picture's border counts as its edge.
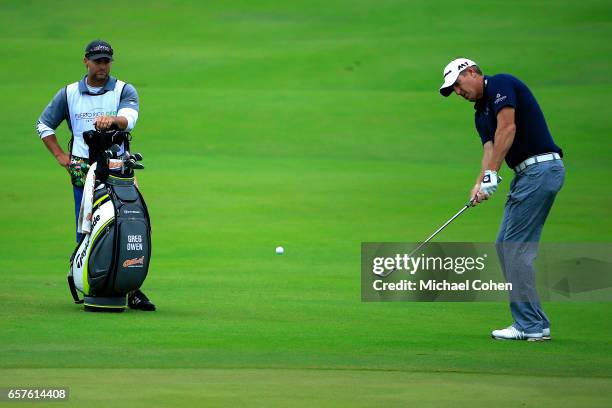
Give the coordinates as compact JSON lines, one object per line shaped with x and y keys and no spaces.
{"x":489,"y":182}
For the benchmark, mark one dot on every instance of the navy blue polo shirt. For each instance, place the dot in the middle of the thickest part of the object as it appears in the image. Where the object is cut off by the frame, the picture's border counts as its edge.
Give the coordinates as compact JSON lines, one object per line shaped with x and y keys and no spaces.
{"x":532,"y":135}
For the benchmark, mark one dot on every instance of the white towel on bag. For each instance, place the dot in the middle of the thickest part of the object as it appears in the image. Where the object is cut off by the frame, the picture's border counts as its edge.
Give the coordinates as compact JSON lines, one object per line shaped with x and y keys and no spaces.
{"x":84,"y":225}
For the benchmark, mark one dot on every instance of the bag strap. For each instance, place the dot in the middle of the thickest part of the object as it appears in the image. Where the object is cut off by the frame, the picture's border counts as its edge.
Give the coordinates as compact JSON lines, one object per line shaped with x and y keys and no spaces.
{"x":73,"y":290}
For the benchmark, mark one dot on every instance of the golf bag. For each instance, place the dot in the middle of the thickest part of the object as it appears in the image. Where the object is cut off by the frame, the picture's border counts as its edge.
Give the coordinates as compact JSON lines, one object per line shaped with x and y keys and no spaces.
{"x":113,"y":258}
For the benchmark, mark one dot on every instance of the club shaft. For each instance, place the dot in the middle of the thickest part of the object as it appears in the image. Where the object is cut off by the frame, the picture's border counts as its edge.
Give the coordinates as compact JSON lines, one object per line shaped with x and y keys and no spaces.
{"x":438,"y":230}
{"x":468,"y":205}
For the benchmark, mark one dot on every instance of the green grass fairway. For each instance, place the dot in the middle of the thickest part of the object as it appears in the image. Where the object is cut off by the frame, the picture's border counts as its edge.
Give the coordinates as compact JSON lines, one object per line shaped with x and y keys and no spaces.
{"x":316,"y":125}
{"x":307,"y":388}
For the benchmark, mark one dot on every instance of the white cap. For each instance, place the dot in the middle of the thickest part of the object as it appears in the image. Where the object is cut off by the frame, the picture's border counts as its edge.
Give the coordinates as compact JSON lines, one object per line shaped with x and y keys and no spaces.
{"x":451,"y":72}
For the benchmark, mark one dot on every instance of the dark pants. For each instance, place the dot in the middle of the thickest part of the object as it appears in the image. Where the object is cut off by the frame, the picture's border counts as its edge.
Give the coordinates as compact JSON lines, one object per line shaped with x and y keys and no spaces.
{"x":78,"y":196}
{"x":532,"y":193}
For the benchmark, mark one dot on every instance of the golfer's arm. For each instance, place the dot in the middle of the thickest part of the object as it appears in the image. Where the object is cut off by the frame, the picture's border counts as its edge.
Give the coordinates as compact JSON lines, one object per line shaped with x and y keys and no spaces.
{"x":487,"y":153}
{"x":504,"y":136}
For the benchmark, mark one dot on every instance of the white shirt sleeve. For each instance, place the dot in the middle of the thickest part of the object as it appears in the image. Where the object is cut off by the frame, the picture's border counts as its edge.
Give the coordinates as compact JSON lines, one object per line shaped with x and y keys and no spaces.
{"x":131,"y":115}
{"x":53,"y":115}
{"x":44,"y":130}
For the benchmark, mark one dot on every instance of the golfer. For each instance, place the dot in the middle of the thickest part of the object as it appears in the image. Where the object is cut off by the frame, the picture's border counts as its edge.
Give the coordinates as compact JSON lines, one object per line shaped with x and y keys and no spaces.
{"x":512,"y":127}
{"x":97,"y":101}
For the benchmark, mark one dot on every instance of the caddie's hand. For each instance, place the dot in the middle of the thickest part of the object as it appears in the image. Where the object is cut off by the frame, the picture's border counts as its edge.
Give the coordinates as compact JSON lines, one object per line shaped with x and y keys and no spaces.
{"x":489,"y":182}
{"x":63,"y":159}
{"x":104,"y":122}
{"x":476,"y":196}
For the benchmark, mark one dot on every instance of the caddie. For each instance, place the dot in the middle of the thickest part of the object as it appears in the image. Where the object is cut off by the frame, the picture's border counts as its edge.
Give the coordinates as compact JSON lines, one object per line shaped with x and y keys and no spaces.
{"x":97,"y":101}
{"x":512,"y":127}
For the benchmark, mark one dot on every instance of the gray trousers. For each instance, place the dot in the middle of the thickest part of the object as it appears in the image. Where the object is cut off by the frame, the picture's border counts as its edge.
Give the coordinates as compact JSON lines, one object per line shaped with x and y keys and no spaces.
{"x":532,"y":193}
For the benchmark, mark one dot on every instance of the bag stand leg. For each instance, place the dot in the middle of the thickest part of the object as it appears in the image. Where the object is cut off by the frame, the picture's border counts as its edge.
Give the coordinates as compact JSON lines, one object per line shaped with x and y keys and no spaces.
{"x":105,"y":304}
{"x":73,"y":290}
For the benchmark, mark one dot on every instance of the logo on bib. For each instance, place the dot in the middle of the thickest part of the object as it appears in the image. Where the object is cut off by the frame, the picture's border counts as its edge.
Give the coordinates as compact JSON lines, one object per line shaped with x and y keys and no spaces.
{"x":93,"y":114}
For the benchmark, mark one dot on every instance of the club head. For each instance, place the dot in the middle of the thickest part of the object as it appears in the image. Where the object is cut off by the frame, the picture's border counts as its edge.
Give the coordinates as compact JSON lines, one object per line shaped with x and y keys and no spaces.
{"x":114,"y":151}
{"x":132,"y":164}
{"x":137,"y":156}
{"x":385,"y":273}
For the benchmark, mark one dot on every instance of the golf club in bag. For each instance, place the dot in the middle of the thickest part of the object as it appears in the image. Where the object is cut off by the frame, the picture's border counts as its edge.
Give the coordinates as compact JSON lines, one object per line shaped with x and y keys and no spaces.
{"x":112,"y":260}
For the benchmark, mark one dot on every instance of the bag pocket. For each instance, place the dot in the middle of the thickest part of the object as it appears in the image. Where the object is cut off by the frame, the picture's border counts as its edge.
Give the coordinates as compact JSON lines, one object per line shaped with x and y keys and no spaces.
{"x":100,"y":261}
{"x":134,"y":253}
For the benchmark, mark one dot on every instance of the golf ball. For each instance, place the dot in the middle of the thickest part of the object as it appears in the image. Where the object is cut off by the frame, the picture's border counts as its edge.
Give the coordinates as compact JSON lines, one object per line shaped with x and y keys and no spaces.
{"x":280,"y":250}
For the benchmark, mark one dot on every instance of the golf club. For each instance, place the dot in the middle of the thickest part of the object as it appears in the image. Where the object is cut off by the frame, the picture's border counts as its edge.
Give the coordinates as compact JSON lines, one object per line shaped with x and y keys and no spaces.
{"x":132,"y":164}
{"x":429,"y":238}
